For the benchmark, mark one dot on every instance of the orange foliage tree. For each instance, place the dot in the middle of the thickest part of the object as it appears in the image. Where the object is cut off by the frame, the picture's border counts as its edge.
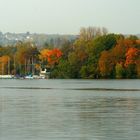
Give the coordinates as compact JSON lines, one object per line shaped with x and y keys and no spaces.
{"x":132,"y":56}
{"x":51,"y":56}
{"x":105,"y":64}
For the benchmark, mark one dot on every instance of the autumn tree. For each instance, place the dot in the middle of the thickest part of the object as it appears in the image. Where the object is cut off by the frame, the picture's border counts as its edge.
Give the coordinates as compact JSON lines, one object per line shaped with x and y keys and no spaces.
{"x":4,"y":64}
{"x":50,"y":57}
{"x":132,"y":56}
{"x":132,"y":61}
{"x":106,"y":65}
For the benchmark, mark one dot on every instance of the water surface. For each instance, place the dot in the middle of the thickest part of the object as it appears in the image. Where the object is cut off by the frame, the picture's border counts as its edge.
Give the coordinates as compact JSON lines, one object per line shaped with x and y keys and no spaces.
{"x":69,"y":109}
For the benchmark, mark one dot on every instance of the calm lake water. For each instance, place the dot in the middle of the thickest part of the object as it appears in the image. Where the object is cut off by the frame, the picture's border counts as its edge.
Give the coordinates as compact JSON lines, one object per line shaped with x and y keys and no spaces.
{"x":69,"y":109}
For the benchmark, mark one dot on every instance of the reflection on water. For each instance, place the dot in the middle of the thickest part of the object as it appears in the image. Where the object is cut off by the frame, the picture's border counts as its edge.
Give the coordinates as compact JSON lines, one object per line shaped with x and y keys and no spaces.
{"x":52,"y":114}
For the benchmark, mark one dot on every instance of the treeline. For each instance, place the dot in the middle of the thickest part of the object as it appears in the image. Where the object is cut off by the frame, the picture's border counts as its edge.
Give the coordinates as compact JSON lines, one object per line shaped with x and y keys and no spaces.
{"x":97,"y":54}
{"x":94,"y":54}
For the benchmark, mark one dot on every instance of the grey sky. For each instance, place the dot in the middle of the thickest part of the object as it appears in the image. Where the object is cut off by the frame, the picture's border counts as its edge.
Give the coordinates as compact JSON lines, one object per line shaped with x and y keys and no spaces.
{"x":67,"y":16}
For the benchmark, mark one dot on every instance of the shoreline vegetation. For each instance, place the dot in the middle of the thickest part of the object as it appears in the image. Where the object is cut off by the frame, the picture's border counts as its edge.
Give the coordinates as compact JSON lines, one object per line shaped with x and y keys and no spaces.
{"x":94,"y":54}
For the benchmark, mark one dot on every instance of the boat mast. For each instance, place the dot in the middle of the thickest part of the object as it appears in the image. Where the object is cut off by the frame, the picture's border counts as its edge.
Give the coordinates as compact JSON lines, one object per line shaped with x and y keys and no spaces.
{"x":14,"y":66}
{"x":2,"y":68}
{"x":8,"y":66}
{"x":32,"y":65}
{"x":25,"y":66}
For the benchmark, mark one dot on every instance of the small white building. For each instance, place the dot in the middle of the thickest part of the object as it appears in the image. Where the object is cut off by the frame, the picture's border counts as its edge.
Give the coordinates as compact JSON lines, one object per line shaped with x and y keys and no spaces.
{"x":43,"y":73}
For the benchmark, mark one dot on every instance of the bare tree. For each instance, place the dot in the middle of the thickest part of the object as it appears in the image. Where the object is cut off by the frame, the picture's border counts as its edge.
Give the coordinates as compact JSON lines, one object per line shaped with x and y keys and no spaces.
{"x":104,"y":31}
{"x":92,"y":32}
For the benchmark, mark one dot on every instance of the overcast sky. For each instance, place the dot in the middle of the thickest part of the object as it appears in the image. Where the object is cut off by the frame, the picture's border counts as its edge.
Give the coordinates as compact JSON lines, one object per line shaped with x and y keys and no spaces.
{"x":68,"y":16}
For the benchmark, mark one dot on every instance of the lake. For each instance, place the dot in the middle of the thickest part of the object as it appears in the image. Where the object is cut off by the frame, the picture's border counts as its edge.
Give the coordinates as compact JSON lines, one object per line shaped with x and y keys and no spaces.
{"x":69,"y":109}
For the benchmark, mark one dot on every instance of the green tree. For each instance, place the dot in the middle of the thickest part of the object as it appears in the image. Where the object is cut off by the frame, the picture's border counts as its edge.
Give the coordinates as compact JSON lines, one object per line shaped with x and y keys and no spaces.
{"x":120,"y":71}
{"x":88,"y":72}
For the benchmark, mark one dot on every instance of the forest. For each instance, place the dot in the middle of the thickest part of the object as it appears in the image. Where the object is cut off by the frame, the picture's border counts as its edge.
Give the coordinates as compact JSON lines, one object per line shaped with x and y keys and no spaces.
{"x":94,"y":54}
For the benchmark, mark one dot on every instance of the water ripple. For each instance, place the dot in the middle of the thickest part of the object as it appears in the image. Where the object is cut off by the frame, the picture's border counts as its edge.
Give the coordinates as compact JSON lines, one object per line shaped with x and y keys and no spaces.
{"x":50,"y":88}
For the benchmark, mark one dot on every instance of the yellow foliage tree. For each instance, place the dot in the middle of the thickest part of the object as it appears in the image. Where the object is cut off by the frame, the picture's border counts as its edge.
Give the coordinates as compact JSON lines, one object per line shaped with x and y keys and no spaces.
{"x":4,"y":64}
